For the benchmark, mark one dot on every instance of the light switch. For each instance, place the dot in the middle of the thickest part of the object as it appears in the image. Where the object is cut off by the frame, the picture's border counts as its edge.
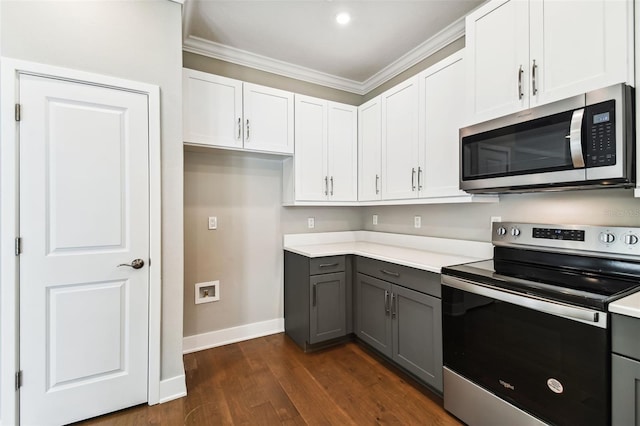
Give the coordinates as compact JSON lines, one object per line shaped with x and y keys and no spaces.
{"x":213,"y":222}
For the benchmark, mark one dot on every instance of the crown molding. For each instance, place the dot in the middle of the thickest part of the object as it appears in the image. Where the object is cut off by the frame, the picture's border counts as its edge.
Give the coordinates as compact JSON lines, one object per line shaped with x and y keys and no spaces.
{"x":200,"y":46}
{"x":211,"y":49}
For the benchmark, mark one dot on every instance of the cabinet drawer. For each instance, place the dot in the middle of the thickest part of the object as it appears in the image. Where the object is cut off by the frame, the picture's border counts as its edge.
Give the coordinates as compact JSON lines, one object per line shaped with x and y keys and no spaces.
{"x":326,"y":265}
{"x":624,"y":331}
{"x":415,"y":279}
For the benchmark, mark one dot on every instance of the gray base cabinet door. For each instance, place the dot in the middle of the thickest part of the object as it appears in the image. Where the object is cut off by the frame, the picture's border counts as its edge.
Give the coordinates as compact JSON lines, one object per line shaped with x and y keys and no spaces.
{"x":625,"y":404}
{"x":327,"y":314}
{"x":417,"y":334}
{"x":373,"y":310}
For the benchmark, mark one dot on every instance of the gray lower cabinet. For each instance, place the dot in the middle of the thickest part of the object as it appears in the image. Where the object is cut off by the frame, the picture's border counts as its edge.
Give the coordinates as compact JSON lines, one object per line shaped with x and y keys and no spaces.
{"x":316,"y":298}
{"x":625,"y":371}
{"x":402,"y":323}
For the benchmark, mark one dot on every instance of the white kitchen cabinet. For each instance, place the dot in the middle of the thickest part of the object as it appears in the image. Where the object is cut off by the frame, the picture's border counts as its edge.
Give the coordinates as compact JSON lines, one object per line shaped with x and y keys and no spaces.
{"x":325,"y":164}
{"x":400,"y":141}
{"x":227,"y":113}
{"x":441,"y":94}
{"x":526,"y":53}
{"x":369,"y":149}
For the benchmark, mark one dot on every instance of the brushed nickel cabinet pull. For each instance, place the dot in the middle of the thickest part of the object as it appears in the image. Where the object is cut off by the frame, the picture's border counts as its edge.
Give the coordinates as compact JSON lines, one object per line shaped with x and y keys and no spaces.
{"x":520,"y":92}
{"x":393,"y":274}
{"x":315,"y":294}
{"x":248,"y":129}
{"x":328,"y":265}
{"x":377,"y":187}
{"x":331,"y":185}
{"x":239,"y":128}
{"x":534,"y":88}
{"x":419,"y":178}
{"x":413,"y":179}
{"x":393,"y":305}
{"x":386,"y":302}
{"x":326,"y":185}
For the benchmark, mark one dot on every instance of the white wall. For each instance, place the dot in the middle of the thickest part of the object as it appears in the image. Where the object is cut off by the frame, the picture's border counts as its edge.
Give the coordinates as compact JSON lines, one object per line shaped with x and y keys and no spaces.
{"x":135,"y":40}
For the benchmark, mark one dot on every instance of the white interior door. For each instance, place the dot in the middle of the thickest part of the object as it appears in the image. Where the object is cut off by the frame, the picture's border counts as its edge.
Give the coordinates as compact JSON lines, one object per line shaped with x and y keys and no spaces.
{"x":84,"y":209}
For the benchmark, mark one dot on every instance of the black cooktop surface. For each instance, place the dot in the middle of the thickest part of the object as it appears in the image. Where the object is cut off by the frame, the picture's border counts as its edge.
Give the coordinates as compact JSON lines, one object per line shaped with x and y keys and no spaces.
{"x":578,"y":280}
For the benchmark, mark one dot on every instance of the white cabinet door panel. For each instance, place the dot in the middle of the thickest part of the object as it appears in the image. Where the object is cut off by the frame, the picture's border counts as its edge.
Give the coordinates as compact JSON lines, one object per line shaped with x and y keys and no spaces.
{"x":369,"y":150}
{"x":442,"y":92}
{"x":589,"y":53}
{"x":342,"y":139}
{"x":268,"y":119}
{"x":311,"y":177}
{"x":212,"y":109}
{"x":497,"y":37}
{"x":400,"y":141}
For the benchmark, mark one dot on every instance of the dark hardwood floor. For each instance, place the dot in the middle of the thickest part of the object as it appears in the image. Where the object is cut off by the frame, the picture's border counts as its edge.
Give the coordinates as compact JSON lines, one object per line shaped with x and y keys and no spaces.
{"x":270,"y":381}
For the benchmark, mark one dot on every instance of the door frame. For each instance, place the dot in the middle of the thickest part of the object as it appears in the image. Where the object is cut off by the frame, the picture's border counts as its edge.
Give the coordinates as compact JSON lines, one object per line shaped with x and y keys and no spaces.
{"x":10,"y":69}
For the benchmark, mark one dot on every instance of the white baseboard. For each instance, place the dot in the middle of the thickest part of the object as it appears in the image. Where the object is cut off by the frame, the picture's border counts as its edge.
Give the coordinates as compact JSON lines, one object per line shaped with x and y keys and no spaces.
{"x":217,"y":338}
{"x":173,"y":388}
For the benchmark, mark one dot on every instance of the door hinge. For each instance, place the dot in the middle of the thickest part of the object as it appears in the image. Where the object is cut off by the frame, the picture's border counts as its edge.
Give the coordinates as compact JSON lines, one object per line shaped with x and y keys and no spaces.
{"x":18,"y":246}
{"x":18,"y":380}
{"x":18,"y":108}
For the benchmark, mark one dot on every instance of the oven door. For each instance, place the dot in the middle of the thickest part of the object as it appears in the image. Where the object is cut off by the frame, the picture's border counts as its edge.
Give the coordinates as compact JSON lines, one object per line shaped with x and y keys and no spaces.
{"x":548,"y":359}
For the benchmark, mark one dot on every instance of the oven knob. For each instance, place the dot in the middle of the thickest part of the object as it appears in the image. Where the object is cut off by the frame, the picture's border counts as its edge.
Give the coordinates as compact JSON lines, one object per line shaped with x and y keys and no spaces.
{"x":515,"y":232}
{"x":606,"y":237}
{"x":501,"y":231}
{"x":630,"y":239}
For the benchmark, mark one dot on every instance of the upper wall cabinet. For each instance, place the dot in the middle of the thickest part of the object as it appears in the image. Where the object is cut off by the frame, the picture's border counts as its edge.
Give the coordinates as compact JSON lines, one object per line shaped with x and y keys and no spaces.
{"x":325,"y":164}
{"x":369,"y":149}
{"x":400,"y":141}
{"x":441,"y":95}
{"x":526,"y":53}
{"x":227,"y":113}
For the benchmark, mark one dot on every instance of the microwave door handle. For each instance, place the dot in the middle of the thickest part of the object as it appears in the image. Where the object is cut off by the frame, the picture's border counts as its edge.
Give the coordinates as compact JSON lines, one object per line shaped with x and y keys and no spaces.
{"x":575,"y":138}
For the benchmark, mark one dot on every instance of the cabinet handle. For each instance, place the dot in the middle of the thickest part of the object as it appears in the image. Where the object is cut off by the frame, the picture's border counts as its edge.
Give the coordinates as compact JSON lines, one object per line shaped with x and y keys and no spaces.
{"x":315,"y":294}
{"x":248,"y":129}
{"x":331,"y":185}
{"x":239,"y":128}
{"x":534,"y":88}
{"x":393,"y":305}
{"x":328,"y":265}
{"x":393,"y":274}
{"x":419,"y":178}
{"x":377,"y":187}
{"x":386,"y":302}
{"x":520,"y":92}
{"x":326,"y":185}
{"x":413,"y":179}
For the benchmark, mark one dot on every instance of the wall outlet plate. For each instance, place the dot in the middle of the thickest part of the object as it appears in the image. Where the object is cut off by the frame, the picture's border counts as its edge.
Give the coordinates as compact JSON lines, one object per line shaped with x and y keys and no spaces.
{"x":375,"y":219}
{"x":213,"y":222}
{"x":207,"y":292}
{"x":417,"y":221}
{"x":311,"y":223}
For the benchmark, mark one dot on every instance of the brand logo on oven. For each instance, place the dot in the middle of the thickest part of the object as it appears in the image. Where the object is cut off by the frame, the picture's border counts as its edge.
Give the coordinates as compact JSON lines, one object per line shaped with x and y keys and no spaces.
{"x":507,"y":385}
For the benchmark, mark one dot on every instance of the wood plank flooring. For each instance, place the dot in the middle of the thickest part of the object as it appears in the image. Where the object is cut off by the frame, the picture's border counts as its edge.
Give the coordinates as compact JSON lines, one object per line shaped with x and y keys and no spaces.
{"x":270,"y":381}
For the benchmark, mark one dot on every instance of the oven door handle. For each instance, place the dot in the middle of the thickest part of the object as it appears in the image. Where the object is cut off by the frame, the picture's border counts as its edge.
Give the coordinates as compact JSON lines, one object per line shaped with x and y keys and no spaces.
{"x":587,"y":316}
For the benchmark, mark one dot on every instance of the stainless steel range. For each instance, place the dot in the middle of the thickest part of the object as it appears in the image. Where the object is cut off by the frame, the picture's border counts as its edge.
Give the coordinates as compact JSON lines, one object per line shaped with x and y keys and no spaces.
{"x":526,"y":335}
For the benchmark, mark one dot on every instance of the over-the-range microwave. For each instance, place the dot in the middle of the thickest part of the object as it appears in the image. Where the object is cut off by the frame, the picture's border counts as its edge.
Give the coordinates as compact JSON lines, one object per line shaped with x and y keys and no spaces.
{"x":583,"y":141}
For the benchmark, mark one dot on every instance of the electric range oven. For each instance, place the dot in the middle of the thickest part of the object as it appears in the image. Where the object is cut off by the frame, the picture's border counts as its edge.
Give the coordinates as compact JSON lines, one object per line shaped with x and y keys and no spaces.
{"x":526,"y":335}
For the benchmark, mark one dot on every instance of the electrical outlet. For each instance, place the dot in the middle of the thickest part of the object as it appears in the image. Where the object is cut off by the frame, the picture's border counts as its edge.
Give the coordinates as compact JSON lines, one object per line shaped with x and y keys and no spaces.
{"x":213,"y":222}
{"x":375,"y":219}
{"x":311,"y":223}
{"x":417,"y":221}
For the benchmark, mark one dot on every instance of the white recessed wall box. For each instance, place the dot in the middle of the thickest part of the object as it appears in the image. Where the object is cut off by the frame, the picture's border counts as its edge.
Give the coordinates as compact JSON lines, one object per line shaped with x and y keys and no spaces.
{"x":207,"y":292}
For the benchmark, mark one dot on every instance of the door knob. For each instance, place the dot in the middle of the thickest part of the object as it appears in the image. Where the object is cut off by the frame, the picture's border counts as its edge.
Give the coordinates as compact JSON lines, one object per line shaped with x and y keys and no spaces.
{"x":135,"y":264}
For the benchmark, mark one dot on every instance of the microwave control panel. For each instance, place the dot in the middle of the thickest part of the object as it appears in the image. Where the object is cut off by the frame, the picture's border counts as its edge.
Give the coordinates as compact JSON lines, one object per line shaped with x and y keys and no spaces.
{"x":601,"y":135}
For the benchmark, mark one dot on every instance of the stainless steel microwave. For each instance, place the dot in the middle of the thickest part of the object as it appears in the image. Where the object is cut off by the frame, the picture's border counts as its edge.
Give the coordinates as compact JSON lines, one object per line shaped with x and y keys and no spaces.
{"x":583,"y":141}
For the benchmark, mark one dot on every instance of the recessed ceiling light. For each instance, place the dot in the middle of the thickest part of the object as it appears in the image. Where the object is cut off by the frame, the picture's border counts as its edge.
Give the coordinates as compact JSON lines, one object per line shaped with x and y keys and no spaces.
{"x":343,"y":18}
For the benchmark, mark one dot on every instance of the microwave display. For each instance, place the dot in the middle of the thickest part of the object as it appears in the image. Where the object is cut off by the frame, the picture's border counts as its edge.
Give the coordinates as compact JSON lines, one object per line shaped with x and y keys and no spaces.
{"x":603,"y":117}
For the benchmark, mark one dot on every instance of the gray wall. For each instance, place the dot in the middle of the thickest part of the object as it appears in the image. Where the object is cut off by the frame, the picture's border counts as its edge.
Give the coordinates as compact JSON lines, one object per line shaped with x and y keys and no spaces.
{"x":473,"y":221}
{"x":244,"y":191}
{"x":135,"y":40}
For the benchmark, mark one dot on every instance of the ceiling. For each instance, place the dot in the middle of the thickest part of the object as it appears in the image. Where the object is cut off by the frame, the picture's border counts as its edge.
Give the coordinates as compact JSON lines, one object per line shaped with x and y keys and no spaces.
{"x":301,"y":38}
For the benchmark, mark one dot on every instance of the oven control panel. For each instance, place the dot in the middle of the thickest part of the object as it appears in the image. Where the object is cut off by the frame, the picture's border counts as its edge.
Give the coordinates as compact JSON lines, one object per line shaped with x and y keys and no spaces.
{"x":611,"y":240}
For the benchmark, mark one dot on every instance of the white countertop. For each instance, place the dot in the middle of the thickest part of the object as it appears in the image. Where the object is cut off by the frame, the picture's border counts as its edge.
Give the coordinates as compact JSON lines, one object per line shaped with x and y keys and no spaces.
{"x":425,"y":253}
{"x":629,"y":305}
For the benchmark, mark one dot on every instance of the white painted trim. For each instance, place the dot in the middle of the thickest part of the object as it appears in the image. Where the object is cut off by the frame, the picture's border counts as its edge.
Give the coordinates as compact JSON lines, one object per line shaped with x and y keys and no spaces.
{"x":226,"y":336}
{"x":172,"y":388}
{"x":9,"y":360}
{"x":200,"y":46}
{"x":215,"y":50}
